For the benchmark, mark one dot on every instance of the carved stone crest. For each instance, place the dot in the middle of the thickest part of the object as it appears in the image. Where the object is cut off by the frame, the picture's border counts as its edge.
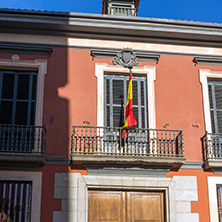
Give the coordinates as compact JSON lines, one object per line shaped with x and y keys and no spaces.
{"x":126,"y":58}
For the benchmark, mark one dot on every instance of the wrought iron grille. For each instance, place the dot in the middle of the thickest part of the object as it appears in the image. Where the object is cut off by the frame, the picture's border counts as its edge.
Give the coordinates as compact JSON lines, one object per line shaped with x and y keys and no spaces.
{"x":15,"y":201}
{"x":212,"y":146}
{"x":113,"y":141}
{"x":22,"y":139}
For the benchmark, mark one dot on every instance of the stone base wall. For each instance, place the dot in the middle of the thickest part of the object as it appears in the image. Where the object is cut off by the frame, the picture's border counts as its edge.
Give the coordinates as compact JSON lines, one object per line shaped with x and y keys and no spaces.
{"x":72,"y":189}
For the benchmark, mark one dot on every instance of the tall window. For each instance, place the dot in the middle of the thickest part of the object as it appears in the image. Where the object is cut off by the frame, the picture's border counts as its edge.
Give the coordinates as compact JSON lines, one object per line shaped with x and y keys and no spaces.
{"x":215,"y":99}
{"x":15,"y":200}
{"x":17,"y":97}
{"x":17,"y":111}
{"x":115,"y":89}
{"x":219,"y":201}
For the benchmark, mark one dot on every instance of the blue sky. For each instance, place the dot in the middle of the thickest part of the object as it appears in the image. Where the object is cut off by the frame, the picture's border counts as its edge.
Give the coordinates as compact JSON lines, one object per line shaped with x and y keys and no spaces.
{"x":191,"y":10}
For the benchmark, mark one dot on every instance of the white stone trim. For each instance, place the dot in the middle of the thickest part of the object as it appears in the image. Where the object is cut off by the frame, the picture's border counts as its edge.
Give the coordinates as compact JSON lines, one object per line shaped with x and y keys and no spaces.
{"x":212,"y":194}
{"x":205,"y":74}
{"x":36,"y":178}
{"x":72,"y":189}
{"x":148,"y":71}
{"x":94,"y":43}
{"x":41,"y":66}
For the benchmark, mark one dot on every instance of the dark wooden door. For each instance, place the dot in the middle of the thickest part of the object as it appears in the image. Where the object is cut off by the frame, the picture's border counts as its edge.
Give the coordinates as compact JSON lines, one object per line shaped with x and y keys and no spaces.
{"x":120,"y":206}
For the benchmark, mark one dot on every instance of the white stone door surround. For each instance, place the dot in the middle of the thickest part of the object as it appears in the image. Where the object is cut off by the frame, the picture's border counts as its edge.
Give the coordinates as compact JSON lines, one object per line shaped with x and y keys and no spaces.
{"x":72,"y":189}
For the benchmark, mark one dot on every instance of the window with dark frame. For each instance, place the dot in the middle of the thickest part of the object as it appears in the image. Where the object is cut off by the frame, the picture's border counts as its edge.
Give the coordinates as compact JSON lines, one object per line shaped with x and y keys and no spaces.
{"x":115,"y":89}
{"x":15,"y":200}
{"x":18,"y":91}
{"x":18,"y":97}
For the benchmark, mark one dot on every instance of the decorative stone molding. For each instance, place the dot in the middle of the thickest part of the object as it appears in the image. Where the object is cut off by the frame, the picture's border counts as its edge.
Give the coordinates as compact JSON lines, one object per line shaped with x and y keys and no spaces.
{"x":148,"y":71}
{"x":205,"y":74}
{"x":212,"y":60}
{"x":111,"y":53}
{"x":25,"y":48}
{"x":41,"y":67}
{"x":72,"y":189}
{"x":126,"y":58}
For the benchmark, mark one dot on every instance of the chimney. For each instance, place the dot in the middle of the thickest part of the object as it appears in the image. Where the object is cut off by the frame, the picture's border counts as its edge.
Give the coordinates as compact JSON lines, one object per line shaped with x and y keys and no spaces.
{"x":120,"y":7}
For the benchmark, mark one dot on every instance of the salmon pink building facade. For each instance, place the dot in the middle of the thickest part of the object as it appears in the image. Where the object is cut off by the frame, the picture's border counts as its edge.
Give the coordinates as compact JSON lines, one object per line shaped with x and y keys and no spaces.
{"x":62,"y":108}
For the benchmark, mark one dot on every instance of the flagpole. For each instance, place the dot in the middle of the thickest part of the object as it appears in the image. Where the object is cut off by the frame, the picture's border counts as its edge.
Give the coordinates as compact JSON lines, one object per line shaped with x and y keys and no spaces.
{"x":127,"y":58}
{"x":125,"y":130}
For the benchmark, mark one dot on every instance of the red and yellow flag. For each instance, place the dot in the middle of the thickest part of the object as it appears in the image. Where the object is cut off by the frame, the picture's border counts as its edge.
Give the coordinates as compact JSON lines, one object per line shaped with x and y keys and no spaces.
{"x":130,"y":118}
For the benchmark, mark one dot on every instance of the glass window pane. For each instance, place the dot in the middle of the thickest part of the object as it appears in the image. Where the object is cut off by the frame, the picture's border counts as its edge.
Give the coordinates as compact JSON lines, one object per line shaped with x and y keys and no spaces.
{"x":219,"y":121}
{"x":218,"y":96}
{"x":142,"y":93}
{"x":210,"y":96}
{"x":6,"y":112}
{"x":143,"y":118}
{"x":32,"y":120}
{"x":23,"y":87}
{"x":212,"y":121}
{"x":118,"y":88}
{"x":126,"y":91}
{"x":117,"y":116}
{"x":8,"y":86}
{"x":135,"y":112}
{"x":34,"y":87}
{"x":135,"y":93}
{"x":21,"y":113}
{"x":107,"y":91}
{"x":108,"y":116}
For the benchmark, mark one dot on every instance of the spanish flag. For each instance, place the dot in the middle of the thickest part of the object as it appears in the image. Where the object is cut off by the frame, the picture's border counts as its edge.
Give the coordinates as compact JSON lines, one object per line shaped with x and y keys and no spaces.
{"x":130,"y":118}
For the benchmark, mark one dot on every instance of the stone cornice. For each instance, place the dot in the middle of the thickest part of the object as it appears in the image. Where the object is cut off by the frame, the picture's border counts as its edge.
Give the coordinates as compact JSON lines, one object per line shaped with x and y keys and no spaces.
{"x":212,"y":60}
{"x":111,"y":53}
{"x":120,"y":28}
{"x":24,"y":48}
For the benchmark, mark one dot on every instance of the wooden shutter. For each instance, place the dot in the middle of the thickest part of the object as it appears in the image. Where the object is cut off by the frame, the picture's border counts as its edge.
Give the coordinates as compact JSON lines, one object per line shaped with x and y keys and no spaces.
{"x":215,"y":100}
{"x":116,"y":87}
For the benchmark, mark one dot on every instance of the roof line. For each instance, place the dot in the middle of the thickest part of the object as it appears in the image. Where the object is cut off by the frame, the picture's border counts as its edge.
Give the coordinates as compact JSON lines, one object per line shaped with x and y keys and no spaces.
{"x":108,"y":17}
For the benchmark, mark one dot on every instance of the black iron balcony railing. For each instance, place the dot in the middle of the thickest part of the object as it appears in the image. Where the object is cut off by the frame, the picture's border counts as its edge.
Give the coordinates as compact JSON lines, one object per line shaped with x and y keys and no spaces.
{"x":22,"y":139}
{"x":212,"y":146}
{"x":139,"y":142}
